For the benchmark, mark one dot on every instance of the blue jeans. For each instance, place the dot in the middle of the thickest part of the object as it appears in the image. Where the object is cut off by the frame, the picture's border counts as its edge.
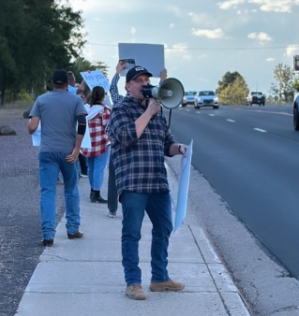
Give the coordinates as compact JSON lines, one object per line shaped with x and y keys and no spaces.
{"x":49,"y":165}
{"x":96,"y":167}
{"x":158,"y":208}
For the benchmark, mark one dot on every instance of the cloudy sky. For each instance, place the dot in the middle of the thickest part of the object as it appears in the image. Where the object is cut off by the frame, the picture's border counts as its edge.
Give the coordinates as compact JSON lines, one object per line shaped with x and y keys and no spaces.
{"x":202,"y":39}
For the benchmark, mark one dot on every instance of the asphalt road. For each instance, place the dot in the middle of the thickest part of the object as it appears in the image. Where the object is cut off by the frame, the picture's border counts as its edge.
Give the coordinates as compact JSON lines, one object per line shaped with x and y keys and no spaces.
{"x":249,"y":155}
{"x":228,"y":151}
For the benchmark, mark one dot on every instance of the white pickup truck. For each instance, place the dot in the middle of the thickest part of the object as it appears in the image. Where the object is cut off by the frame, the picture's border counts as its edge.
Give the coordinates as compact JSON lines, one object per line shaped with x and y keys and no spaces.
{"x":256,"y":98}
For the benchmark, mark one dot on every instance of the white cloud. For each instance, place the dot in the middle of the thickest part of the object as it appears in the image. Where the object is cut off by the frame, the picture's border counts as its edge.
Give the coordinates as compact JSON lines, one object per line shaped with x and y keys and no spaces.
{"x":88,"y":53}
{"x":276,"y":5}
{"x":217,"y":33}
{"x":201,"y":56}
{"x":270,"y":59}
{"x":246,"y":11}
{"x":178,"y":12}
{"x":291,"y":50}
{"x":265,"y":5}
{"x":133,"y":30}
{"x":203,"y":19}
{"x":263,"y":37}
{"x":171,"y":25}
{"x":105,"y":6}
{"x":230,"y":4}
{"x":178,"y":48}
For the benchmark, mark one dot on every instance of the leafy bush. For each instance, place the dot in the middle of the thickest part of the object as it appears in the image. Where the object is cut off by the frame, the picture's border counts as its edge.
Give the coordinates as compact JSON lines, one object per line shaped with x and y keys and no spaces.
{"x":24,"y":96}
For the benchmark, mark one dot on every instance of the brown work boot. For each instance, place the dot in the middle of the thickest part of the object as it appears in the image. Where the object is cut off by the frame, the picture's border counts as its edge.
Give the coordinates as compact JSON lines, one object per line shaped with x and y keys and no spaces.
{"x":166,"y":286}
{"x":135,"y":292}
{"x":76,"y":235}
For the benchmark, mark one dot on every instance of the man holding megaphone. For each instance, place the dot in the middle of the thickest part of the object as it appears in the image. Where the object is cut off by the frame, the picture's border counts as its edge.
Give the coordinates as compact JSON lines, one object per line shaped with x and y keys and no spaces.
{"x":141,"y":139}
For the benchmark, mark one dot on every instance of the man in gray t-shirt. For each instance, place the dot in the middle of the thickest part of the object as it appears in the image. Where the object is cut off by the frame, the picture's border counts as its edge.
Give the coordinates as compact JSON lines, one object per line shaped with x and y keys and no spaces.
{"x":59,"y":112}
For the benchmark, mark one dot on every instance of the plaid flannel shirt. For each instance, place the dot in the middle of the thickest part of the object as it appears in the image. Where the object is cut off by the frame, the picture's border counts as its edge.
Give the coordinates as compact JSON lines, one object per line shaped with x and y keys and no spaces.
{"x":98,"y":136}
{"x":139,"y":163}
{"x":116,"y":98}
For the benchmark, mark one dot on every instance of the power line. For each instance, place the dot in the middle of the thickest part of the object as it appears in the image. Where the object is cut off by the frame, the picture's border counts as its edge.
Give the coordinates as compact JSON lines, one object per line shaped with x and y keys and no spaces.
{"x":210,"y":49}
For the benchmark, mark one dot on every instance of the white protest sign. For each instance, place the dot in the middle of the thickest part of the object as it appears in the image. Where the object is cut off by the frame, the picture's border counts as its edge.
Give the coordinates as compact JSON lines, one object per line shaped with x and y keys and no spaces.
{"x":36,"y":136}
{"x":150,"y":56}
{"x":95,"y":78}
{"x":86,"y":141}
{"x":181,"y":206}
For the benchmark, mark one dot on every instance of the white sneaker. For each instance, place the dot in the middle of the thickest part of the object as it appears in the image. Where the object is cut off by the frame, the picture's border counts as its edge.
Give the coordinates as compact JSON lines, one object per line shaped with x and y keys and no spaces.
{"x":112,"y":215}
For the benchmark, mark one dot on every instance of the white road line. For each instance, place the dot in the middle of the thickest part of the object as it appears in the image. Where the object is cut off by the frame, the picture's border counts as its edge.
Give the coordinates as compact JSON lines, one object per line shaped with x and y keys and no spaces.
{"x":230,"y":120}
{"x":270,"y":112}
{"x":212,"y":114}
{"x":198,"y":112}
{"x":260,"y":130}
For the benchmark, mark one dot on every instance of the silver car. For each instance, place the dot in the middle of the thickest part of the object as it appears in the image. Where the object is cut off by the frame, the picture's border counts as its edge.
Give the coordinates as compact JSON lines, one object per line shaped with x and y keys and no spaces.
{"x":188,"y":98}
{"x":206,"y":98}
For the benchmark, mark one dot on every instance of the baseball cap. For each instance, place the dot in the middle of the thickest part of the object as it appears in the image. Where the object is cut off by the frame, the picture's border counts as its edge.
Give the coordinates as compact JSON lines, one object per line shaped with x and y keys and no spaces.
{"x":135,"y":72}
{"x":60,"y":77}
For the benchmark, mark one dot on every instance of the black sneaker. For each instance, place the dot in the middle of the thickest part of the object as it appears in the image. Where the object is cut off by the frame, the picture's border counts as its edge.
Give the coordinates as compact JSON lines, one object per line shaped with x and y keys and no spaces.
{"x":95,"y":197}
{"x":47,"y":242}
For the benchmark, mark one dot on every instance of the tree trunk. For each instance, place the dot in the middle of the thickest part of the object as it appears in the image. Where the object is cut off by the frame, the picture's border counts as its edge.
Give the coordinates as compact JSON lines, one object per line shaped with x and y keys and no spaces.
{"x":2,"y":94}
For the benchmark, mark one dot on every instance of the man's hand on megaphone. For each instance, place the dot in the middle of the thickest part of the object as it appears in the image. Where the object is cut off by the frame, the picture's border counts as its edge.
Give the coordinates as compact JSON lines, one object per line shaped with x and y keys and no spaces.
{"x":154,"y":107}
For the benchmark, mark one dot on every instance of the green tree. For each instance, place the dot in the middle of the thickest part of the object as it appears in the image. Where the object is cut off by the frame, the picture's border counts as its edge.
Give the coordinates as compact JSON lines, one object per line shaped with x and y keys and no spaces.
{"x":283,"y":74}
{"x":296,"y":84}
{"x":274,"y":94}
{"x":36,"y":37}
{"x":228,"y":79}
{"x":234,"y":93}
{"x":232,"y":89}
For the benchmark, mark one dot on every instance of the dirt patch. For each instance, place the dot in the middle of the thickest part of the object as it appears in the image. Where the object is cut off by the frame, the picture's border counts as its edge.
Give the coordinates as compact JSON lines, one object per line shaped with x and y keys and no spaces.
{"x":20,"y":232}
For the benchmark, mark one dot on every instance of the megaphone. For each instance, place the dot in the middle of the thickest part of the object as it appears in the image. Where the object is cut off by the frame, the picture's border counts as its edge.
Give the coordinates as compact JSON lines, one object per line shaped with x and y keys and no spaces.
{"x":170,"y":93}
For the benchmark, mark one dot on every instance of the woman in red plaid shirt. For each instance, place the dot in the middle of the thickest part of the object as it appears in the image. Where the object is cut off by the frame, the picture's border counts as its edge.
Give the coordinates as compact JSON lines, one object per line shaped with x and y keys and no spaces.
{"x":98,"y":155}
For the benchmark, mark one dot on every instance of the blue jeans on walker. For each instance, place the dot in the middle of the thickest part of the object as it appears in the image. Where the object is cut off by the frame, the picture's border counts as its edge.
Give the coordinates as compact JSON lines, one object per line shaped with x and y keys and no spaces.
{"x":49,"y":165}
{"x":96,"y":167}
{"x":158,"y":208}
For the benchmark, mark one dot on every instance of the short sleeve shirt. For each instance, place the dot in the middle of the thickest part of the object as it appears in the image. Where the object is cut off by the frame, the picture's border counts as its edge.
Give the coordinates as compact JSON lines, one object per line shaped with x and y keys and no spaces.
{"x":58,"y":111}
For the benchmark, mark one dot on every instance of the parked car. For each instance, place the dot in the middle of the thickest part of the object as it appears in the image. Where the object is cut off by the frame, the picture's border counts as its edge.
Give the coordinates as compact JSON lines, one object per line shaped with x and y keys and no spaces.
{"x":296,"y":113}
{"x":206,"y":98}
{"x":256,"y":98}
{"x":188,"y":98}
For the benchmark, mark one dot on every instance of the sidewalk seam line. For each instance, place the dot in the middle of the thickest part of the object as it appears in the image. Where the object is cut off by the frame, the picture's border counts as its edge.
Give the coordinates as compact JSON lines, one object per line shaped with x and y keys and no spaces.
{"x":214,"y":281}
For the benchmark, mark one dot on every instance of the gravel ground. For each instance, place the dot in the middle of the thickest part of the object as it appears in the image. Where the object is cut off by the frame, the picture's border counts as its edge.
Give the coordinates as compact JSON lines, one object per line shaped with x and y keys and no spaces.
{"x":20,"y":233}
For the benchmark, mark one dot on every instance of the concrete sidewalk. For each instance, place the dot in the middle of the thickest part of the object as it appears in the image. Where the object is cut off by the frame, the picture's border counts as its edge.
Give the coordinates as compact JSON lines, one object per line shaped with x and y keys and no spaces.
{"x":84,"y":277}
